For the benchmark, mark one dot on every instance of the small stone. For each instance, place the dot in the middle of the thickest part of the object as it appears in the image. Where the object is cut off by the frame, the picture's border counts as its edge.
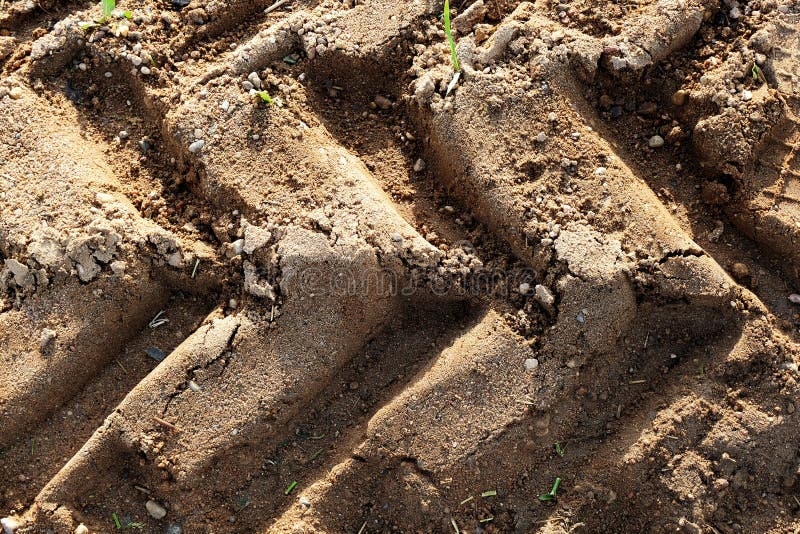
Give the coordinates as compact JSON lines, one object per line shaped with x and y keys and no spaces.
{"x":721,"y":484}
{"x":82,"y":529}
{"x":46,"y":339}
{"x":254,"y":79}
{"x":9,"y":524}
{"x":155,"y":510}
{"x":541,"y":137}
{"x":174,"y":529}
{"x":247,"y":85}
{"x":740,"y":272}
{"x":605,"y":101}
{"x":107,"y":74}
{"x":15,"y":93}
{"x":419,"y":165}
{"x":552,"y":117}
{"x":118,"y":267}
{"x":531,"y":364}
{"x":544,"y":295}
{"x":790,"y":408}
{"x":136,"y":60}
{"x":304,"y":502}
{"x":656,"y":141}
{"x":145,"y":70}
{"x":600,"y":171}
{"x":383,"y":102}
{"x":747,"y":95}
{"x":397,"y":238}
{"x":679,"y":97}
{"x":197,"y":146}
{"x":524,"y":288}
{"x":794,"y":298}
{"x":123,"y":134}
{"x":225,"y":105}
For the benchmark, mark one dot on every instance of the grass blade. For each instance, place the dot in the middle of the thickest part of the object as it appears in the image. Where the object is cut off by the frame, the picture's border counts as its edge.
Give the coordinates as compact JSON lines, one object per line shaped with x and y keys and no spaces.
{"x":449,"y":34}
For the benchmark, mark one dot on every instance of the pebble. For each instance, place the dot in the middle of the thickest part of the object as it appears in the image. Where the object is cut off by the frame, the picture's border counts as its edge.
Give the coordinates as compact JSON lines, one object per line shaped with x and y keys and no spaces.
{"x":747,"y":95}
{"x":397,"y":238}
{"x":9,"y":524}
{"x":123,"y":134}
{"x":304,"y":502}
{"x":225,"y":105}
{"x":136,"y":60}
{"x":107,"y":74}
{"x":524,"y":288}
{"x":419,"y":165}
{"x":740,"y":271}
{"x":541,"y":137}
{"x":254,"y":79}
{"x":47,"y":337}
{"x":794,"y":298}
{"x":599,"y":171}
{"x":656,"y":141}
{"x":174,"y":529}
{"x":531,"y":364}
{"x":247,"y":85}
{"x":155,"y":510}
{"x":15,"y":93}
{"x":383,"y":102}
{"x":552,"y":117}
{"x":197,"y":146}
{"x":145,"y":70}
{"x":82,"y":529}
{"x":679,"y":97}
{"x":544,"y":295}
{"x":720,"y":484}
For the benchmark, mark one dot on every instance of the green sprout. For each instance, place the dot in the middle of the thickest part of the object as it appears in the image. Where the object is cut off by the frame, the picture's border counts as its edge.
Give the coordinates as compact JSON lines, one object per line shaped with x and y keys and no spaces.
{"x":265,"y":97}
{"x":108,"y":7}
{"x":289,"y":488}
{"x":758,"y":74}
{"x":559,"y":449}
{"x":449,"y":34}
{"x":544,"y":497}
{"x":490,"y":493}
{"x":116,"y":520}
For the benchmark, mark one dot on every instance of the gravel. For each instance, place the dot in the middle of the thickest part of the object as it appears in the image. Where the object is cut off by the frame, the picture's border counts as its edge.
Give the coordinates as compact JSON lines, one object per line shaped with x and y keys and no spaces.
{"x":656,"y":141}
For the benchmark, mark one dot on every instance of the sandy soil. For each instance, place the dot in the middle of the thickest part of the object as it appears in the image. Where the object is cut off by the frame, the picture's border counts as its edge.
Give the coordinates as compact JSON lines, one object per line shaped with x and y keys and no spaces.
{"x":382,"y":304}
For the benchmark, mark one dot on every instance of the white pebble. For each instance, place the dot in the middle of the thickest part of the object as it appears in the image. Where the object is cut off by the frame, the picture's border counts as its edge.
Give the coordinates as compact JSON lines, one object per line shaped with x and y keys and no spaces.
{"x":531,"y":364}
{"x":419,"y":165}
{"x":794,"y":298}
{"x":107,"y":74}
{"x":155,"y":510}
{"x":197,"y":146}
{"x":656,"y":141}
{"x":145,"y":70}
{"x":524,"y":288}
{"x":541,"y":137}
{"x":9,"y":524}
{"x":599,"y":171}
{"x":747,"y":95}
{"x":82,"y":529}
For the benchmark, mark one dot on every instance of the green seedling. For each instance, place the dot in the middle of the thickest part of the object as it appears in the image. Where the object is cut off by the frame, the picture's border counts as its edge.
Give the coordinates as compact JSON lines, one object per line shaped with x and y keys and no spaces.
{"x":116,"y":521}
{"x":490,"y":493}
{"x":290,"y":488}
{"x":486,"y":520}
{"x":449,"y":34}
{"x":108,"y":7}
{"x":758,"y":74}
{"x":559,"y":449}
{"x":263,"y":95}
{"x":544,"y":497}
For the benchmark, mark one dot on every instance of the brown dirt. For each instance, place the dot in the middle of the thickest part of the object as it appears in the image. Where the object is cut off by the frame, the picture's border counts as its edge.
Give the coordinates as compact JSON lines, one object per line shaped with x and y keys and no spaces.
{"x":390,"y":308}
